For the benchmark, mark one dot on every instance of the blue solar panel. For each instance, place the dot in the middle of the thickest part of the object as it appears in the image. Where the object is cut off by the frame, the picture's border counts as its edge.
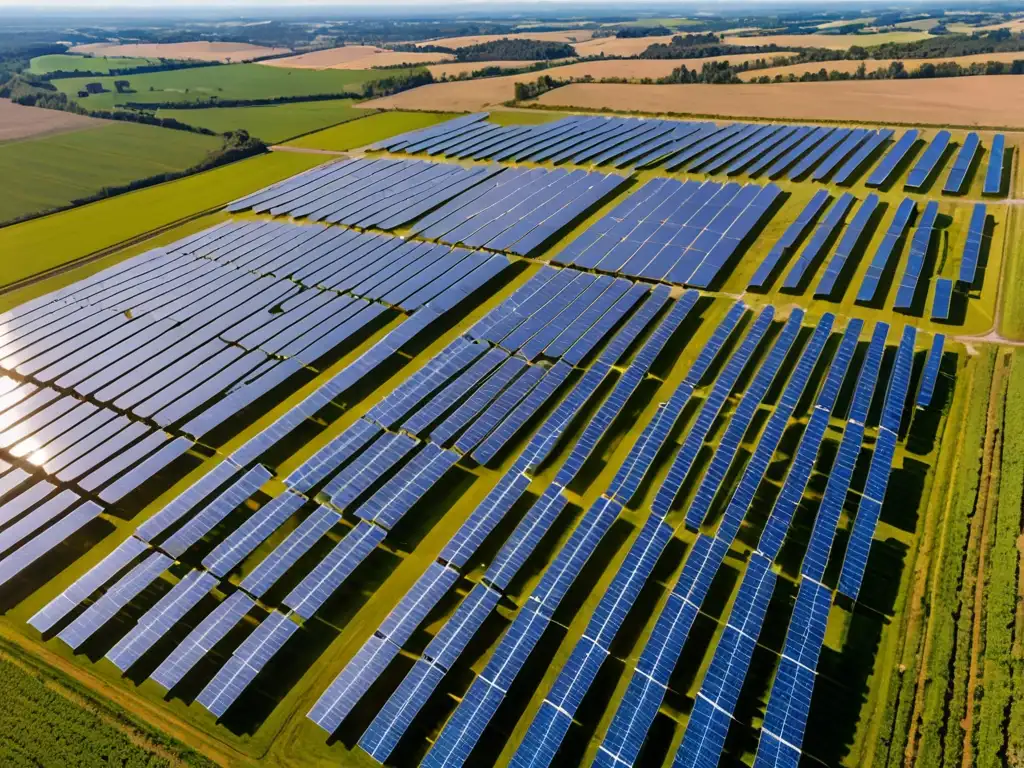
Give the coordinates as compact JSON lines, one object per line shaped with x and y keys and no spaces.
{"x":852,"y":237}
{"x":329,"y":458}
{"x":213,"y":513}
{"x":812,"y":158}
{"x":883,"y":172}
{"x":246,"y":662}
{"x":929,"y":379}
{"x":994,"y":173}
{"x":709,"y":721}
{"x":962,"y":165}
{"x":413,"y":608}
{"x":920,"y":244}
{"x":928,"y":161}
{"x":243,"y":540}
{"x":187,"y":501}
{"x":398,"y":495}
{"x":284,"y":555}
{"x":525,"y":538}
{"x":355,"y":679}
{"x":800,"y":470}
{"x":85,"y":585}
{"x":943,"y":299}
{"x":740,"y":422}
{"x":330,"y":572}
{"x":709,"y":412}
{"x":200,"y":640}
{"x":44,"y":542}
{"x":114,"y":599}
{"x":788,"y":241}
{"x":368,"y":467}
{"x":485,"y":517}
{"x":159,"y":619}
{"x":382,"y":736}
{"x":780,"y":164}
{"x":814,"y":250}
{"x":512,"y":396}
{"x":855,"y":138}
{"x":972,"y":248}
{"x":858,"y":158}
{"x":886,"y":250}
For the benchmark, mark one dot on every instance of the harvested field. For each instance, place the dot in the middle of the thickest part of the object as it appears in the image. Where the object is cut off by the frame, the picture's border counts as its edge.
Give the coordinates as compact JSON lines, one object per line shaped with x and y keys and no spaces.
{"x":456,"y":68}
{"x":614,"y":46}
{"x":564,"y":36}
{"x":200,"y":51}
{"x":995,"y":100}
{"x":356,"y":57}
{"x":834,"y":42}
{"x":874,"y":64}
{"x":1014,"y":25}
{"x":19,"y":122}
{"x":478,"y":94}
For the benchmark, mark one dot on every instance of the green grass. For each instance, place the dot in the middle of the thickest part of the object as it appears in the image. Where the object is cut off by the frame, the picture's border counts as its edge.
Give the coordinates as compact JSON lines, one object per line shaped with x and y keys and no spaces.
{"x":367,"y":130}
{"x":274,"y":123}
{"x":51,"y":172}
{"x":230,"y":81}
{"x":67,"y":62}
{"x":48,"y":242}
{"x":523,"y":118}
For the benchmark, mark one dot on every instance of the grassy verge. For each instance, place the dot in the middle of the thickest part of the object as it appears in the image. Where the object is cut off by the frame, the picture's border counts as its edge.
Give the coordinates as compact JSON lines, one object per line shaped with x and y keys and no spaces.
{"x":367,"y":130}
{"x":274,"y":123}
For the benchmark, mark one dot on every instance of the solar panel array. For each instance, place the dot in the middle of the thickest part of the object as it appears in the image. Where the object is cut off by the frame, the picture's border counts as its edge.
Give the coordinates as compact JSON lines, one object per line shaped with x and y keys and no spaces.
{"x":962,"y":165}
{"x":672,"y":231}
{"x":928,"y":163}
{"x":887,"y":249}
{"x":817,"y":153}
{"x":920,"y":244}
{"x":930,"y":376}
{"x":971,"y":257}
{"x":994,"y":172}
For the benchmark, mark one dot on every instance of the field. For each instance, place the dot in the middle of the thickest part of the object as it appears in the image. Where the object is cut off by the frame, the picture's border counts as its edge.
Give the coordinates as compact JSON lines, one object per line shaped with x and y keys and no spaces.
{"x":19,"y":122}
{"x":51,"y":172}
{"x":921,"y":670}
{"x":357,"y":57}
{"x":368,"y":130}
{"x":91,"y":229}
{"x":456,"y":68}
{"x":233,"y":81}
{"x":835,"y":42}
{"x":201,"y":51}
{"x":568,"y":36}
{"x":995,"y":101}
{"x":63,"y":62}
{"x":1015,"y":25}
{"x":876,"y":64}
{"x":615,"y":46}
{"x":273,"y":123}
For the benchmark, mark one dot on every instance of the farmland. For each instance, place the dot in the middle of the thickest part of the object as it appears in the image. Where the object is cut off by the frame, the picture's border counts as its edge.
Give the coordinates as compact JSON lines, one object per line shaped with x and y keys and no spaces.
{"x":19,"y":122}
{"x":61,"y":62}
{"x":273,"y":123}
{"x":873,"y":65}
{"x":568,"y":36}
{"x":965,"y":101}
{"x":200,"y":51}
{"x":357,"y":57}
{"x":233,"y":81}
{"x":51,"y":172}
{"x":835,"y":42}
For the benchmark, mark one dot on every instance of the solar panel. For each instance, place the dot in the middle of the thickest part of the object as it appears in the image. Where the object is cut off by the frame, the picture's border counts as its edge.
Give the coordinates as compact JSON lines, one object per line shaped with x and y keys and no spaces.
{"x":920,"y":244}
{"x":994,"y":173}
{"x":159,"y":619}
{"x":332,"y":456}
{"x":44,"y":542}
{"x":187,"y":501}
{"x":928,"y":161}
{"x":709,"y":413}
{"x":434,"y":409}
{"x":114,"y":599}
{"x":899,"y":150}
{"x":243,"y":540}
{"x":368,"y":467}
{"x":886,"y":250}
{"x":330,"y":572}
{"x":525,"y":538}
{"x":858,"y":158}
{"x":421,"y":598}
{"x":807,"y":450}
{"x":200,"y":640}
{"x":741,"y":420}
{"x":929,"y":378}
{"x":213,"y":513}
{"x":485,"y":517}
{"x":962,"y":165}
{"x":832,"y":278}
{"x":285,"y":554}
{"x":785,"y":245}
{"x":814,"y":250}
{"x":391,"y":723}
{"x":89,"y":582}
{"x":942,"y":299}
{"x":355,"y":679}
{"x":246,"y":662}
{"x":972,"y":248}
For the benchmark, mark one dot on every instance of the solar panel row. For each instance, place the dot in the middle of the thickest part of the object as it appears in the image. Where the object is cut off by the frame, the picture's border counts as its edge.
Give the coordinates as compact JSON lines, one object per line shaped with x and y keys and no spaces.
{"x":832,"y":279}
{"x":971,"y":257}
{"x":930,"y":376}
{"x":815,"y":248}
{"x":928,"y":162}
{"x":994,"y":172}
{"x":897,"y":153}
{"x":920,"y":244}
{"x":882,"y":259}
{"x":787,"y":243}
{"x":962,"y":165}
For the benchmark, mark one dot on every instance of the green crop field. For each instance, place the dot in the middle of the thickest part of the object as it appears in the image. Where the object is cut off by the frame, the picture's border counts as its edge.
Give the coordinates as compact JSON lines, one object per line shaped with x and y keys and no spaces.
{"x":69,"y":62}
{"x":229,"y":81}
{"x":368,"y":130}
{"x":52,"y":172}
{"x":273,"y":124}
{"x":922,"y":668}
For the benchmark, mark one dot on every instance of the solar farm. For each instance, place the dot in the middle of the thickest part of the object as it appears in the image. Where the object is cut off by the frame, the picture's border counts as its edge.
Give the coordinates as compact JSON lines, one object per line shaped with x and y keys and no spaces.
{"x":602,"y":440}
